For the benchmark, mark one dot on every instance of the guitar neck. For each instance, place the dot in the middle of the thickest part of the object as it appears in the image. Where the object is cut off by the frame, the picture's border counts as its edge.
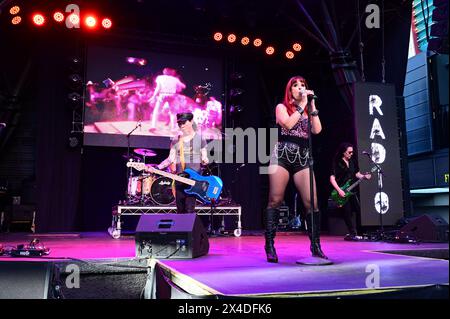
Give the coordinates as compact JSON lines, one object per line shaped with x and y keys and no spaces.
{"x":354,"y":185}
{"x":173,"y":176}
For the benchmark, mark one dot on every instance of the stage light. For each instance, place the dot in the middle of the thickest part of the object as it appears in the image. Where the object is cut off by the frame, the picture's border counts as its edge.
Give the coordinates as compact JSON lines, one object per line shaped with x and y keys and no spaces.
{"x":74,"y":97}
{"x":297,"y":47}
{"x":270,"y":50}
{"x":218,"y":36}
{"x":16,"y":20}
{"x":245,"y":40}
{"x":74,"y":19}
{"x":75,"y":80}
{"x":14,"y":10}
{"x":107,"y":23}
{"x":235,"y":109}
{"x":234,"y":92}
{"x":257,"y":42}
{"x":90,"y":21}
{"x":38,"y":19}
{"x":58,"y":16}
{"x":231,"y":38}
{"x":289,"y":55}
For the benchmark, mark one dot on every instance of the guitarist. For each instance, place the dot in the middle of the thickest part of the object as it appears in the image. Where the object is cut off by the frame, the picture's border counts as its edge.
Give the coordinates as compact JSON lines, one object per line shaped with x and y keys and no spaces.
{"x":188,"y":150}
{"x":344,"y":169}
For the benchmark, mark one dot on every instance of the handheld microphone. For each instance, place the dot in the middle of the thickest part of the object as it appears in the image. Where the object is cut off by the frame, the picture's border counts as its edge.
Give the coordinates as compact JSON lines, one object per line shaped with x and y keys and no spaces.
{"x":310,"y":96}
{"x":366,"y":153}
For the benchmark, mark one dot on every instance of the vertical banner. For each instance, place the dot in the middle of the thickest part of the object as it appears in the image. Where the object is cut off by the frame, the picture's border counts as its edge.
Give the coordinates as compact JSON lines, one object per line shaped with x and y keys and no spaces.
{"x":378,"y":141}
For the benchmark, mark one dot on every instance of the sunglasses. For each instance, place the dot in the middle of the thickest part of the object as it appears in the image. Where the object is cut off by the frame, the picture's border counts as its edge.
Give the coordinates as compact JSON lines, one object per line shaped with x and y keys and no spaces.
{"x":181,"y":123}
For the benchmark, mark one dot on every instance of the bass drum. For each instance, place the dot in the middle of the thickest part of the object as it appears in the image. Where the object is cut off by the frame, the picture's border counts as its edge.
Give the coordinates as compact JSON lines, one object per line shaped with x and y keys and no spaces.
{"x":161,"y":191}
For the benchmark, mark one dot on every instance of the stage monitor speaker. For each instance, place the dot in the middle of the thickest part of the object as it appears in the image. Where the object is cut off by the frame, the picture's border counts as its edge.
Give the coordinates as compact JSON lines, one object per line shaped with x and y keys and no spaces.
{"x":26,"y":280}
{"x":427,"y":228}
{"x":164,"y":236}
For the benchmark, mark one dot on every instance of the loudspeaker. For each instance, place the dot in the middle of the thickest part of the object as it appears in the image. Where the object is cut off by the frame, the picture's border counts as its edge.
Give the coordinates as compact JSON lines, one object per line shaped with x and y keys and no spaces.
{"x":164,"y":236}
{"x":427,"y":228}
{"x":26,"y":280}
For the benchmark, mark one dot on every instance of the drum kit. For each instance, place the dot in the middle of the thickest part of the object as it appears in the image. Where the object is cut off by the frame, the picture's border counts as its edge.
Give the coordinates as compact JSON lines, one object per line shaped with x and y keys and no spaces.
{"x":146,"y":188}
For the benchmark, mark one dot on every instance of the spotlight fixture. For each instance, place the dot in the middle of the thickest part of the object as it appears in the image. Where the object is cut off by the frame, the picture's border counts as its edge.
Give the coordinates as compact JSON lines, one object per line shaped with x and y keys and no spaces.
{"x":74,"y":97}
{"x":106,"y":23}
{"x":16,"y":20}
{"x":297,"y":47}
{"x":14,"y":10}
{"x":38,"y":19}
{"x":270,"y":50}
{"x":245,"y":41}
{"x":91,"y":21}
{"x":231,"y":38}
{"x":218,"y":36}
{"x":74,"y":19}
{"x":58,"y":16}
{"x":289,"y":55}
{"x":257,"y":42}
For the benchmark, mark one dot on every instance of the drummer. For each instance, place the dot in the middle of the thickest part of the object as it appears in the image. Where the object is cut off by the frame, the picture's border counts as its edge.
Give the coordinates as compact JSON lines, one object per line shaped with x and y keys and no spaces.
{"x":187,"y":150}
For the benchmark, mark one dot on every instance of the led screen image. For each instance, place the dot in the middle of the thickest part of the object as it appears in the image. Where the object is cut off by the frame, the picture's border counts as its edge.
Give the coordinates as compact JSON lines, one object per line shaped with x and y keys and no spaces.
{"x":139,"y":93}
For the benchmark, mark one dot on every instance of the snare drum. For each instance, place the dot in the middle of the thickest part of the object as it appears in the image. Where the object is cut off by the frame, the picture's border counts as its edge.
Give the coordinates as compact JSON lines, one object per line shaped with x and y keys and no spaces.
{"x":162,"y":192}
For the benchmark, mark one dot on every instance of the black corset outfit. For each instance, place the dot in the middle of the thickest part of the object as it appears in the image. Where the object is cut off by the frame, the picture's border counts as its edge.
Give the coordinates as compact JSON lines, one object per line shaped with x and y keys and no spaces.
{"x":291,"y":151}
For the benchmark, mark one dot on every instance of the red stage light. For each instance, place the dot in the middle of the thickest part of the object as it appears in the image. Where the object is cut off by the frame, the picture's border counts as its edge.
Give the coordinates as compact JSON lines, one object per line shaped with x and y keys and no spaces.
{"x":270,"y":50}
{"x":107,"y":23}
{"x":16,"y":20}
{"x":14,"y":10}
{"x":297,"y":47}
{"x":90,"y":21}
{"x":38,"y":19}
{"x":289,"y":55}
{"x":245,"y":40}
{"x":231,"y":38}
{"x":218,"y":36}
{"x":257,"y":42}
{"x":74,"y":19}
{"x":58,"y":16}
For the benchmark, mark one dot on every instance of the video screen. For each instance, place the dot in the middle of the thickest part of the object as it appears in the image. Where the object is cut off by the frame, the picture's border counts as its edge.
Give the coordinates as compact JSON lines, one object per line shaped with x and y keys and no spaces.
{"x":139,"y":93}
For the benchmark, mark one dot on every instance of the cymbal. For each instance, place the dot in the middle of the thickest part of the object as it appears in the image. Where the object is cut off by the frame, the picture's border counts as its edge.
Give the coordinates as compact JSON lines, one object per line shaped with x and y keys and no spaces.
{"x":131,"y":156}
{"x":144,"y":152}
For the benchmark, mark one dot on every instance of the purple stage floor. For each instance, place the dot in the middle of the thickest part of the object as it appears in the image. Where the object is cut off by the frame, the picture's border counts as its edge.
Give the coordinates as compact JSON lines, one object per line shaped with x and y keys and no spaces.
{"x":236,"y":266}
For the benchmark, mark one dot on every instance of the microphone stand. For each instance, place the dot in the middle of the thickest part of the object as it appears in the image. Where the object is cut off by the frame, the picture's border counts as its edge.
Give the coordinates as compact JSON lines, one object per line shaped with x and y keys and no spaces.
{"x":311,"y":260}
{"x":379,"y":186}
{"x":129,"y":174}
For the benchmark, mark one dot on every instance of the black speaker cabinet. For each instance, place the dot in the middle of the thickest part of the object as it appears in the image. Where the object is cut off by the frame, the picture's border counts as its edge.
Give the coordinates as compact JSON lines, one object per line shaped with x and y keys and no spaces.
{"x":427,"y":228}
{"x":178,"y":236}
{"x":26,"y":280}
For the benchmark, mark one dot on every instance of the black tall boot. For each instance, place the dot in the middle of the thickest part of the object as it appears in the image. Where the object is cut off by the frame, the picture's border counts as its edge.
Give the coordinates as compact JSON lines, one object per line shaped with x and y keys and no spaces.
{"x":316,"y":250}
{"x":271,"y":215}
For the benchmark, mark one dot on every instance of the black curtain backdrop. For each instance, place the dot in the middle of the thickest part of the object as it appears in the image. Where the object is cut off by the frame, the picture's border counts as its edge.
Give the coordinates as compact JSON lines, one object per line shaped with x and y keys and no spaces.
{"x":58,"y":167}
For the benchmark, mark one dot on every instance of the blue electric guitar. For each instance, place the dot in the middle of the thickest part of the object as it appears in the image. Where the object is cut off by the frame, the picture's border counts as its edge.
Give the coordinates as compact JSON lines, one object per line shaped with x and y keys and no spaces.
{"x":205,"y":188}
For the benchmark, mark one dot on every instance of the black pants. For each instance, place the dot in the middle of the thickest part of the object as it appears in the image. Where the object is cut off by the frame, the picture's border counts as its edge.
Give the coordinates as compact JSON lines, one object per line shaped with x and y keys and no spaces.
{"x":352,"y":206}
{"x":185,"y":203}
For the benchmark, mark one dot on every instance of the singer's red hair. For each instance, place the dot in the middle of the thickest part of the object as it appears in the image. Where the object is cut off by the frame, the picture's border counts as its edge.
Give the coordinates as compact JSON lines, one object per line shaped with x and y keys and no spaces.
{"x":288,"y":99}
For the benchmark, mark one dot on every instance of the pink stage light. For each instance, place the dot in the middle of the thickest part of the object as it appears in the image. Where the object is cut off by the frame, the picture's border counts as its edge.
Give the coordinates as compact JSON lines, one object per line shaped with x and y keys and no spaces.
{"x":58,"y":16}
{"x":107,"y":23}
{"x":218,"y":36}
{"x":38,"y":19}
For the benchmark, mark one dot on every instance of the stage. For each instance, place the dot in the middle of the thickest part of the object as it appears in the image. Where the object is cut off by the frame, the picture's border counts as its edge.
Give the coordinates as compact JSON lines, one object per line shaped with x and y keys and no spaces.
{"x":236,"y":267}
